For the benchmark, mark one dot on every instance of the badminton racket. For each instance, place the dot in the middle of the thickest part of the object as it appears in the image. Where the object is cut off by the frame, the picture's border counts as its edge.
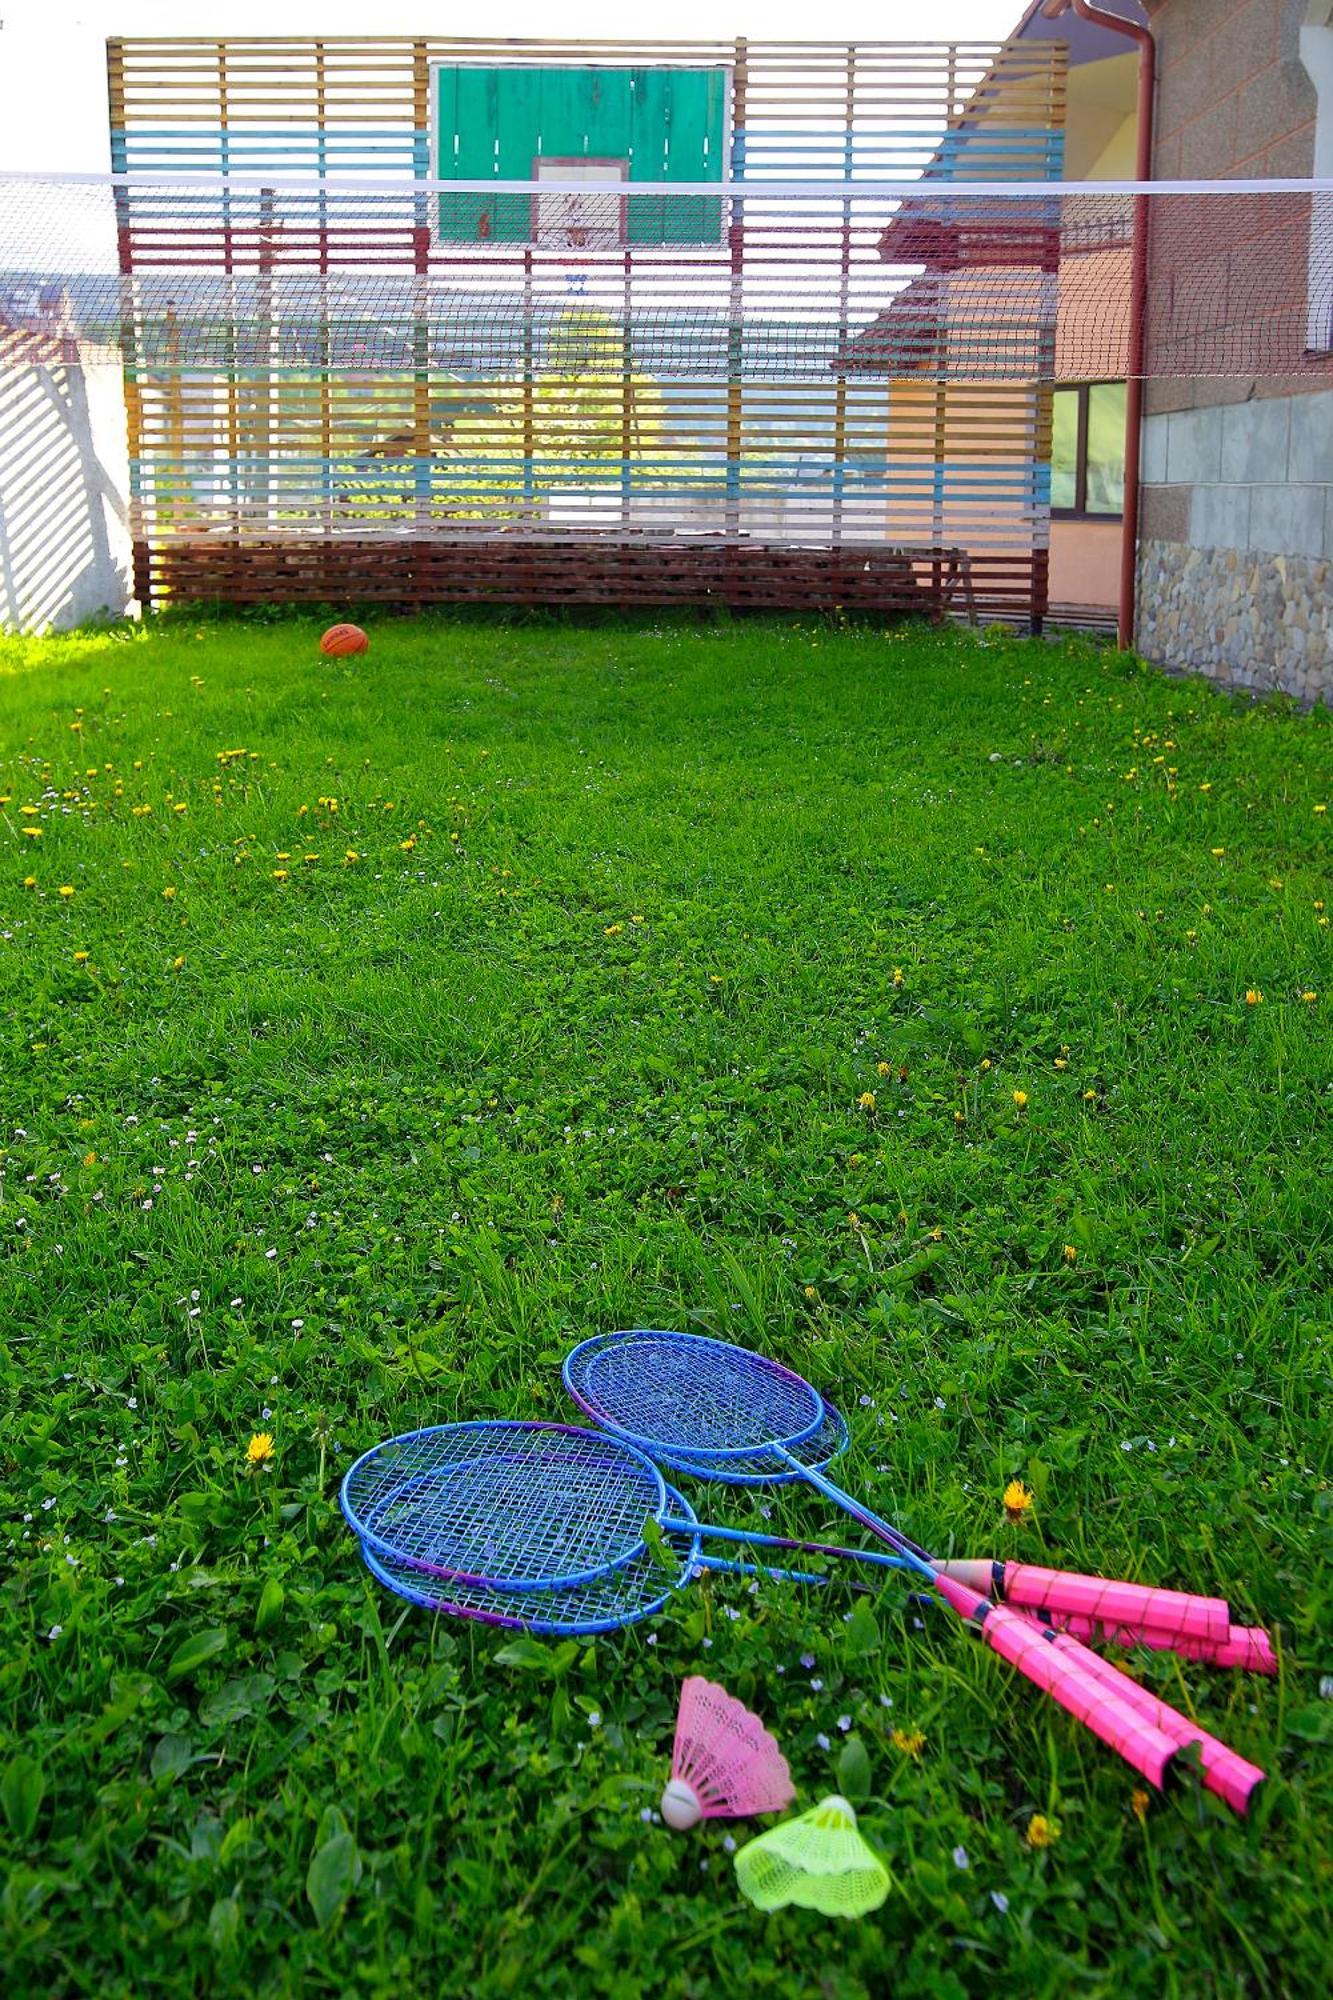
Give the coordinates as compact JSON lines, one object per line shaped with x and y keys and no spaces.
{"x":1247,"y":1647}
{"x":519,"y":1507}
{"x":714,"y":1404}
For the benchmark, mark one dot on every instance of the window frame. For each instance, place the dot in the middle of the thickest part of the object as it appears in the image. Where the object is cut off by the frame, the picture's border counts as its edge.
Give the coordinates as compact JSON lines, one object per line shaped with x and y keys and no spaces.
{"x":1079,"y":511}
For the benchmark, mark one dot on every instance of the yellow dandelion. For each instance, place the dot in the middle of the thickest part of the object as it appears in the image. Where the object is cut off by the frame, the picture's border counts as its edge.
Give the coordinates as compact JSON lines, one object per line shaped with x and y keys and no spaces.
{"x":909,"y":1741}
{"x":1017,"y":1500}
{"x":260,"y":1448}
{"x":168,"y":894}
{"x":1089,"y":1097}
{"x":984,"y":1063}
{"x":279,"y":874}
{"x":1042,"y":1832}
{"x":959,"y":1118}
{"x":30,"y":881}
{"x":1061,"y":1062}
{"x":811,"y":1293}
{"x":883,"y":1069}
{"x":1309,"y":996}
{"x":66,"y":890}
{"x":1070,"y":1254}
{"x":1319,"y":905}
{"x":29,"y":812}
{"x":1020,"y":1099}
{"x":1321,"y":809}
{"x":177,"y":963}
{"x":614,"y":930}
{"x":866,"y":1100}
{"x":1253,"y":997}
{"x":853,"y":1219}
{"x":1217,"y":852}
{"x":350,"y":857}
{"x":1139,"y":1801}
{"x":408,"y":844}
{"x":32,"y":833}
{"x":180,"y":809}
{"x":90,"y":1159}
{"x":81,"y":957}
{"x":897,"y":975}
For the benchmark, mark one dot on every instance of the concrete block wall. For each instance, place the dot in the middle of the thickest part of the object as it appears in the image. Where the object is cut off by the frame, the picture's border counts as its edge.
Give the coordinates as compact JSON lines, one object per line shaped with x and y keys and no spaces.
{"x":1236,"y":548}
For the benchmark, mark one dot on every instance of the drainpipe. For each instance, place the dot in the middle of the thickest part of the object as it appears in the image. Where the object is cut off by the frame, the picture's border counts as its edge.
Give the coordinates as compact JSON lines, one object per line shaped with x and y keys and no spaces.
{"x":1138,"y":299}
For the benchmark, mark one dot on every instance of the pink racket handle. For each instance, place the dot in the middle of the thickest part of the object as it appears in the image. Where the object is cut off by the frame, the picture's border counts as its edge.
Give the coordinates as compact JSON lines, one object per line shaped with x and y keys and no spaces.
{"x":1224,"y":1772}
{"x":1174,"y":1612}
{"x":1249,"y":1646}
{"x":1017,"y":1639}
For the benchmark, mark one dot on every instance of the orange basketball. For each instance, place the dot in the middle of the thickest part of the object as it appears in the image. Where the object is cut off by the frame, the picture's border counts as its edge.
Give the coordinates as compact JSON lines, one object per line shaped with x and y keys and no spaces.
{"x":343,"y":639}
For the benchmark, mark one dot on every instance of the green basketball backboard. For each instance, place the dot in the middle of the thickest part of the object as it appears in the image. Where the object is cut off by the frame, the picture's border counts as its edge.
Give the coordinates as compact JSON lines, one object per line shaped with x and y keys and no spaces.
{"x":601,"y":128}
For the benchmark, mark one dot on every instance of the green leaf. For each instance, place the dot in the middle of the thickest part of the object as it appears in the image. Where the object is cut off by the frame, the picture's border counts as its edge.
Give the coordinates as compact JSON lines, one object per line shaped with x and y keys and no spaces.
{"x":194,"y":1651}
{"x":854,"y":1770}
{"x":658,"y":1546}
{"x":240,"y":1834}
{"x":862,"y":1632}
{"x":528,"y":1654}
{"x":334,"y":1872}
{"x":22,"y":1790}
{"x":224,"y":1921}
{"x":171,"y":1755}
{"x":271,"y":1600}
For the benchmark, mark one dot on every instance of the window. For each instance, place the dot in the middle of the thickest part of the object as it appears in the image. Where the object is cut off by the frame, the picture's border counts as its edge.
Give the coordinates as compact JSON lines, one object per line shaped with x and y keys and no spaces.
{"x":1088,"y":451}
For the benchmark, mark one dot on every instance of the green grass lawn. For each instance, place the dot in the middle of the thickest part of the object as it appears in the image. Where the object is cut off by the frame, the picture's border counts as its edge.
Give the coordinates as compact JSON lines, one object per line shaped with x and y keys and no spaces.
{"x":949,"y":1019}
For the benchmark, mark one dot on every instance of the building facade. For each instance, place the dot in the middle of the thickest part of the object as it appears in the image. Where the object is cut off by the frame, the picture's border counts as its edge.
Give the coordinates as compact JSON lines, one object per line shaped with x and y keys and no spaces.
{"x":1235,"y":560}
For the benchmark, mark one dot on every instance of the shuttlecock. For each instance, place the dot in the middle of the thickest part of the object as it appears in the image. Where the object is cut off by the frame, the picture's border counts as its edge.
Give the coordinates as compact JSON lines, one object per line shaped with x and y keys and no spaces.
{"x":724,"y":1765}
{"x":819,"y":1861}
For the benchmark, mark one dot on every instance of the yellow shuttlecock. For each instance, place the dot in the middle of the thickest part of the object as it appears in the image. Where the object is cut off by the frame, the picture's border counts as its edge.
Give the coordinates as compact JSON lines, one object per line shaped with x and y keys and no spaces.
{"x":819,"y":1861}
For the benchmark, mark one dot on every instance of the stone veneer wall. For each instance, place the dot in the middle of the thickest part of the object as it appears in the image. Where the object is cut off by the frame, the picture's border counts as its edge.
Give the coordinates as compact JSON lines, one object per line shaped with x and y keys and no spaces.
{"x":1236,"y":543}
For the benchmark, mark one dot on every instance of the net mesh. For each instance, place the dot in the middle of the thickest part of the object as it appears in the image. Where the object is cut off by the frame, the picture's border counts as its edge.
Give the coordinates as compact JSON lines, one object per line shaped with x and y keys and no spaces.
{"x":689,"y":1396}
{"x":818,"y":1451}
{"x":851,"y":381}
{"x":512,"y":1506}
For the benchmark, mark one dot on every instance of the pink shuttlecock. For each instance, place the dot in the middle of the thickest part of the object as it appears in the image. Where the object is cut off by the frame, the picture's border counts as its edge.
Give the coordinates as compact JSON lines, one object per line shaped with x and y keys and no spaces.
{"x":724,"y":1765}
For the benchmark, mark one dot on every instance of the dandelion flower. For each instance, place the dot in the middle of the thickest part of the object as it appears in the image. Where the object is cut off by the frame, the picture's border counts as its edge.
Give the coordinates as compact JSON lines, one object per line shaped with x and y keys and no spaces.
{"x":350,"y":856}
{"x":30,"y":881}
{"x":168,"y":894}
{"x":1309,"y":996}
{"x":67,"y":890}
{"x":1253,"y":997}
{"x":260,"y":1448}
{"x":90,"y":1159}
{"x":1217,"y":852}
{"x":1042,"y":1832}
{"x":1061,"y":1062}
{"x":279,"y":874}
{"x":883,"y":1069}
{"x":1017,"y":1500}
{"x":1020,"y":1099}
{"x":866,"y":1100}
{"x":909,"y":1741}
{"x":1321,"y":809}
{"x":177,"y":963}
{"x":1070,"y":1254}
{"x":1138,"y":1803}
{"x":32,"y":833}
{"x":81,"y":957}
{"x":897,"y":975}
{"x":959,"y":1118}
{"x":614,"y":930}
{"x":811,"y":1293}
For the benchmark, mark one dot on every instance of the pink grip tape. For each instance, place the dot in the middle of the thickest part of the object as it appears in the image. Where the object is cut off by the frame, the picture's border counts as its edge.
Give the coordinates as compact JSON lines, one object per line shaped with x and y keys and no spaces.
{"x":1016,"y":1639}
{"x":1176,"y":1613}
{"x":1224,"y":1772}
{"x":1248,"y":1647}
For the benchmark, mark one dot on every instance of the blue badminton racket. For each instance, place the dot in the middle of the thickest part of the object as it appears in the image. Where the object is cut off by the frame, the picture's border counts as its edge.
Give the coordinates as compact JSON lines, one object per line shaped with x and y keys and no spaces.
{"x":518,"y":1507}
{"x":637,"y":1590}
{"x":689,"y":1398}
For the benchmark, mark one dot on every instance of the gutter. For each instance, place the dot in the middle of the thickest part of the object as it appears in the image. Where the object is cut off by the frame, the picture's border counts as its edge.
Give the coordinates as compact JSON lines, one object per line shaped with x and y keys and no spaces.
{"x":1138,"y":301}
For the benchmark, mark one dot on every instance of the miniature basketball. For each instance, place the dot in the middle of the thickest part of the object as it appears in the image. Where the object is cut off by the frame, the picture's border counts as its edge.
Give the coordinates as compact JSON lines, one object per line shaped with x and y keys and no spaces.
{"x":341,"y":639}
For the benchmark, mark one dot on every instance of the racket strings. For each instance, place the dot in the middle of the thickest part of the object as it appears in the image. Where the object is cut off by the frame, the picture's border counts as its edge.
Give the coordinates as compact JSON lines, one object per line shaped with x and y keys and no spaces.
{"x":519,"y":1507}
{"x":691,"y":1396}
{"x":636,"y":1590}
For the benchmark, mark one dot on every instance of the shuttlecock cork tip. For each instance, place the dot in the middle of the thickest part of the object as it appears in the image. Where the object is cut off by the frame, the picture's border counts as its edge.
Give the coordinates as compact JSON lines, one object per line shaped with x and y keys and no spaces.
{"x":680,"y":1806}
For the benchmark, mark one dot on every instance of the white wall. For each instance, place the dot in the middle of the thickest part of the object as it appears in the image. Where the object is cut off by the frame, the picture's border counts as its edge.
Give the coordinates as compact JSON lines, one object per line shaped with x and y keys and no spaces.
{"x":64,"y":475}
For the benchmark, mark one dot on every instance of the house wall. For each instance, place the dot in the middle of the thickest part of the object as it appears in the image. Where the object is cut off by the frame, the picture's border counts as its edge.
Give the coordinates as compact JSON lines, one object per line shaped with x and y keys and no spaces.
{"x":1085,"y":564}
{"x":1236,"y":528}
{"x":64,"y":477}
